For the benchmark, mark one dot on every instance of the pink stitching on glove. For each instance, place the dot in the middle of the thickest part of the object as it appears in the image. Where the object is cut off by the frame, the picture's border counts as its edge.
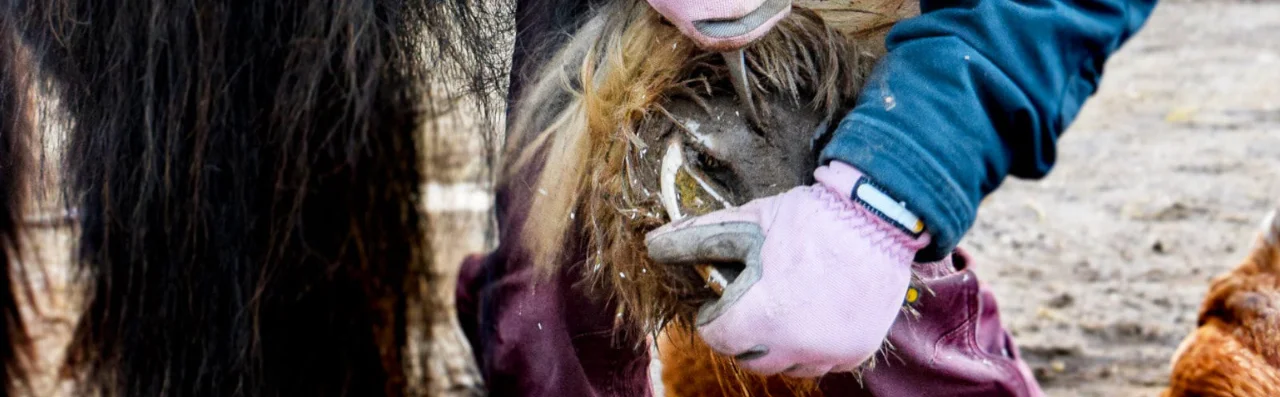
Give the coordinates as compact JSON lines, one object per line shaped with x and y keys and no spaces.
{"x":824,"y":280}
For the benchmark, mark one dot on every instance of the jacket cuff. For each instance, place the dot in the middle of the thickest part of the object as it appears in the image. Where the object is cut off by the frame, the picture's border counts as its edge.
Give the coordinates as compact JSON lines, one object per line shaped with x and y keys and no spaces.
{"x":907,"y":173}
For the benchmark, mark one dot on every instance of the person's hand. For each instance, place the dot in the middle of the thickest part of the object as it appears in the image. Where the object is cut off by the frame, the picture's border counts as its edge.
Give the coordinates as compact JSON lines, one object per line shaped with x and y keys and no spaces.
{"x":723,"y":25}
{"x":827,"y":268}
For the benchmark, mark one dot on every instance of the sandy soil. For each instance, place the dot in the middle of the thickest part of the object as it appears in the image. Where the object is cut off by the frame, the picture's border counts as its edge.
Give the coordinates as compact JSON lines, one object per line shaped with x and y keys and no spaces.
{"x":1099,"y":268}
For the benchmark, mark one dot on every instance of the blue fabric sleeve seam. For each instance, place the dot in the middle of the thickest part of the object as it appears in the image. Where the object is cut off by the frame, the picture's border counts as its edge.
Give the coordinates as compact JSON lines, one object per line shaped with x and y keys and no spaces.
{"x":955,"y":204}
{"x":1059,"y":121}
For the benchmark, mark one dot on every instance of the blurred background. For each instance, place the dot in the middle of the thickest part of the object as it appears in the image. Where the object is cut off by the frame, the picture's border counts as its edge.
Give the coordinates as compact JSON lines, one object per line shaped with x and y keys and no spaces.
{"x":1099,"y":269}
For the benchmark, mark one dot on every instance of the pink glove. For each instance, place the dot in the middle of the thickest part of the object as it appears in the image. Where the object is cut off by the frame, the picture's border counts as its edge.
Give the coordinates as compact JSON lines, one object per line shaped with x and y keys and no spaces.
{"x":723,"y":25}
{"x":824,"y":275}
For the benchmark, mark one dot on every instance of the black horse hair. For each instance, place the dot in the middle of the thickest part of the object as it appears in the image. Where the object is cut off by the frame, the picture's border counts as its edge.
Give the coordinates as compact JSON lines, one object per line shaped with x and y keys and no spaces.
{"x":248,"y":182}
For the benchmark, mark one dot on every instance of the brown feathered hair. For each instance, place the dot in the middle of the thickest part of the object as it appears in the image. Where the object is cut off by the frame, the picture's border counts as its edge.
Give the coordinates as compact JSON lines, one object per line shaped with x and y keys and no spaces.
{"x":610,"y":81}
{"x":1233,"y":352}
{"x":614,"y":77}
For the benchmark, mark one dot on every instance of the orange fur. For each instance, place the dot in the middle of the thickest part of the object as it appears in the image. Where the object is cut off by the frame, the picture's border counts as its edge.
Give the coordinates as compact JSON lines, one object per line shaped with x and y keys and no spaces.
{"x":691,"y":369}
{"x":1235,"y":351}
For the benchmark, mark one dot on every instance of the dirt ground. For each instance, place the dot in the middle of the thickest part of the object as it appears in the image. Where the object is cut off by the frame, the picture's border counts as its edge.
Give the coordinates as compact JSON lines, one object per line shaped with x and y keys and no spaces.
{"x":1099,"y":268}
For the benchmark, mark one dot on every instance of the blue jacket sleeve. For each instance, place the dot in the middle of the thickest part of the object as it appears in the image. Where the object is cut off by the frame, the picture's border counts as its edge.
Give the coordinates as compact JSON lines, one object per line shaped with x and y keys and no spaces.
{"x":972,"y":91}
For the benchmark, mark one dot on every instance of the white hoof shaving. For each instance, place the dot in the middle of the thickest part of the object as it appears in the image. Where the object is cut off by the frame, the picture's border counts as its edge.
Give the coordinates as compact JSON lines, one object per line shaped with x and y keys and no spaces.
{"x":672,"y":160}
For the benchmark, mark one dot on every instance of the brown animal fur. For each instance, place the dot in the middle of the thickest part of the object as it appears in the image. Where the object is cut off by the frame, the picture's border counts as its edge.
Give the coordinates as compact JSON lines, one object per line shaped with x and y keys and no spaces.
{"x":1235,"y":351}
{"x":865,"y":21}
{"x":602,"y":99}
{"x":612,"y":78}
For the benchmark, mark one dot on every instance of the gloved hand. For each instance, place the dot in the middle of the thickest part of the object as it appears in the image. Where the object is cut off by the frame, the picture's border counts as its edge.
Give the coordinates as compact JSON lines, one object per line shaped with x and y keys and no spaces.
{"x":827,"y":267}
{"x":723,"y":25}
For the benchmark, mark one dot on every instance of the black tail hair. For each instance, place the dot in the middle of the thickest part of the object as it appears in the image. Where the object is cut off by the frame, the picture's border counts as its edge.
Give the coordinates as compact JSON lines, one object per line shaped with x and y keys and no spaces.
{"x":247,"y":177}
{"x":16,"y":129}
